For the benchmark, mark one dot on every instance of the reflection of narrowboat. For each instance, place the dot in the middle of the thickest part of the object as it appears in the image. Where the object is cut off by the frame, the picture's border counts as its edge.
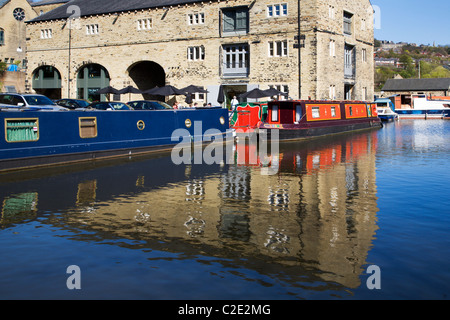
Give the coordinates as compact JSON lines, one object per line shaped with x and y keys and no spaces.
{"x":309,"y":118}
{"x":37,"y":138}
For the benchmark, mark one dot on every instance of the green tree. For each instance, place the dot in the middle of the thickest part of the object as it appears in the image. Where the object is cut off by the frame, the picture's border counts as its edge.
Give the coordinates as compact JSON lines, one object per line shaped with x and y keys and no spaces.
{"x":3,"y":67}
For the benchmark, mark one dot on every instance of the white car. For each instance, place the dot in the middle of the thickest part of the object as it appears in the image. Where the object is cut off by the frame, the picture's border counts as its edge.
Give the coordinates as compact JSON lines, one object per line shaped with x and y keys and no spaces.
{"x":35,"y":102}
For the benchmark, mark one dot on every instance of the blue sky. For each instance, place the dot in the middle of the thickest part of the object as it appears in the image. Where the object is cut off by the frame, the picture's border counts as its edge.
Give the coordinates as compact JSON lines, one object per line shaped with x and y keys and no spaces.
{"x":414,"y":21}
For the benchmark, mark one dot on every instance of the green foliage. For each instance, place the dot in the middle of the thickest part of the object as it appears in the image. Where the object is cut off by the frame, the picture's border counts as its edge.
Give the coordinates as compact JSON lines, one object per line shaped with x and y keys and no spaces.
{"x":431,"y":61}
{"x":3,"y":67}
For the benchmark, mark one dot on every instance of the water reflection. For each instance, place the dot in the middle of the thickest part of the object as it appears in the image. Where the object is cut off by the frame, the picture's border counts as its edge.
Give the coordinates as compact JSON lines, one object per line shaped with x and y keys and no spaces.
{"x":313,"y":221}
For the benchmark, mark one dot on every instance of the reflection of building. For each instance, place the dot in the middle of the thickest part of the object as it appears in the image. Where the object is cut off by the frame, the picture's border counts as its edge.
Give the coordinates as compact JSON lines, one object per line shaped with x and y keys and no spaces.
{"x":325,"y":52}
{"x":318,"y":213}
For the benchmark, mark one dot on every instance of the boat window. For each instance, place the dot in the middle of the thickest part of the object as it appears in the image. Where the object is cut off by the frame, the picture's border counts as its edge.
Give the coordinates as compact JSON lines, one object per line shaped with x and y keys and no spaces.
{"x":21,"y":130}
{"x":88,"y":127}
{"x":350,"y":110}
{"x":298,"y":113}
{"x":333,"y":112}
{"x":274,"y":113}
{"x":315,"y":112}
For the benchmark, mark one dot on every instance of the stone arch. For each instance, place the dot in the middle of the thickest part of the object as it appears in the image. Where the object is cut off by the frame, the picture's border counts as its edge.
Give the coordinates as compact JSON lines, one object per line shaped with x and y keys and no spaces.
{"x":147,"y":75}
{"x":92,"y":77}
{"x":46,"y":80}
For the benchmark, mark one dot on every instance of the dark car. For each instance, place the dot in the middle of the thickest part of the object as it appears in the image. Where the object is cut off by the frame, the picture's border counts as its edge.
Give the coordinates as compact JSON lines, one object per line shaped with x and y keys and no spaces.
{"x":109,"y":106}
{"x":72,"y":103}
{"x":149,"y":105}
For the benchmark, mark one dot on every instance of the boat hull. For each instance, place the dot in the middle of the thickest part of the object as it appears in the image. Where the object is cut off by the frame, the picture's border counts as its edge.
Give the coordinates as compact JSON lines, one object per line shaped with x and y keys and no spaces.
{"x":58,"y":137}
{"x":293,"y":132}
{"x":423,"y":114}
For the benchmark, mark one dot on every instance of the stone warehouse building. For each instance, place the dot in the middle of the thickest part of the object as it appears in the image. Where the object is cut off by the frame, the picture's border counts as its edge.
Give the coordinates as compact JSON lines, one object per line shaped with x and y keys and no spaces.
{"x":308,"y":48}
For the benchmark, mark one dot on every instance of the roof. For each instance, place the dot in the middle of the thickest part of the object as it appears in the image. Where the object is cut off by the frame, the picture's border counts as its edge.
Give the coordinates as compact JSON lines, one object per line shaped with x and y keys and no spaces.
{"x":3,"y":2}
{"x":433,"y":84}
{"x":90,"y":7}
{"x":47,"y":2}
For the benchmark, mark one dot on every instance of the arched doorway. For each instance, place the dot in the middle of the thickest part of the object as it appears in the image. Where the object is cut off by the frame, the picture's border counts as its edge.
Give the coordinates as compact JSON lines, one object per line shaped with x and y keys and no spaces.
{"x":47,"y":81}
{"x":90,"y":79}
{"x":147,"y":75}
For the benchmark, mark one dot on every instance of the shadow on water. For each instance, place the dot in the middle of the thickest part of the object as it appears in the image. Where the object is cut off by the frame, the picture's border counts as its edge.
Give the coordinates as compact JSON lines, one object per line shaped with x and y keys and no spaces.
{"x":303,"y":232}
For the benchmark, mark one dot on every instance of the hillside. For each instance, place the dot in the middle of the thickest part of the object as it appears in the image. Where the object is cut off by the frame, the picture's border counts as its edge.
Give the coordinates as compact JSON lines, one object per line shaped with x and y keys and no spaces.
{"x":409,"y":61}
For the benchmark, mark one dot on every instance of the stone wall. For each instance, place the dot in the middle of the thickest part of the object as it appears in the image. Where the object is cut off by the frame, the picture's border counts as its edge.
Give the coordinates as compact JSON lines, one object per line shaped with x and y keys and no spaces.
{"x":119,"y":46}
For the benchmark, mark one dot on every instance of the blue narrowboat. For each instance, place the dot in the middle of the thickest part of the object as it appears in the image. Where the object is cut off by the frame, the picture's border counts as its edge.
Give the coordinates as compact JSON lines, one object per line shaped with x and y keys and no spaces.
{"x":42,"y":138}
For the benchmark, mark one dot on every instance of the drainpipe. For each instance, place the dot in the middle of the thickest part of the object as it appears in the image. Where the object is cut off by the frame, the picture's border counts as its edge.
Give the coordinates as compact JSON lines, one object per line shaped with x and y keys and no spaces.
{"x":70,"y":52}
{"x":299,"y":53}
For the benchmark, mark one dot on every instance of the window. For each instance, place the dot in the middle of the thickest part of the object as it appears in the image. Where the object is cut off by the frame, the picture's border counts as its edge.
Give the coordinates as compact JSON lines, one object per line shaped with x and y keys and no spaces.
{"x":315,"y":112}
{"x":22,"y":130}
{"x":364,"y":55}
{"x":348,"y":17}
{"x":278,"y":48}
{"x":236,"y":60}
{"x":88,"y":127}
{"x":331,"y":12}
{"x":235,"y":20}
{"x":196,"y":18}
{"x":332,"y":93}
{"x":277,"y":10}
{"x":298,"y":113}
{"x":349,"y":63}
{"x":364,"y":93}
{"x":333,"y":112}
{"x":274,"y":115}
{"x":144,"y":24}
{"x":196,"y":53}
{"x":332,"y":48}
{"x":46,"y":34}
{"x":281,"y":88}
{"x":92,"y":29}
{"x":2,"y":37}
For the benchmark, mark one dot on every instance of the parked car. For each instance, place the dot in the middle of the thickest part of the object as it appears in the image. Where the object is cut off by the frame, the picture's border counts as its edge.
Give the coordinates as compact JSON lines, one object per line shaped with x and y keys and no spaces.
{"x":30,"y":102}
{"x":109,"y":106}
{"x":149,"y":105}
{"x":72,"y":103}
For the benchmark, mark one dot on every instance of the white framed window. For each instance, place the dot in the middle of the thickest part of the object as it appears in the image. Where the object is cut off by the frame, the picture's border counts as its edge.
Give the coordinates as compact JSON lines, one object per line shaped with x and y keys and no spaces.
{"x":278,"y":48}
{"x":332,"y":48}
{"x":92,"y":29}
{"x":315,"y":111}
{"x":364,"y":55}
{"x":348,"y":20}
{"x":332,"y":92}
{"x":196,"y":53}
{"x":144,"y":24}
{"x":277,"y":10}
{"x":364,"y":93}
{"x":196,"y":18}
{"x":331,"y":12}
{"x":333,"y":112}
{"x":274,"y":116}
{"x":46,"y":34}
{"x":298,"y":113}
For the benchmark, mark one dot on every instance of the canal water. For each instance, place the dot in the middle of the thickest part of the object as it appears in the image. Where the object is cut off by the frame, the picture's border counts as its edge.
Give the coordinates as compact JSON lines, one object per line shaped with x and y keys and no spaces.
{"x":364,"y":215}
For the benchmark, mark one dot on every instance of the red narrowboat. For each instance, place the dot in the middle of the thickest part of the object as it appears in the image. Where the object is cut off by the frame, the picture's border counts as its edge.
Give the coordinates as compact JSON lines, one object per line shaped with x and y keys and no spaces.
{"x":308,"y":118}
